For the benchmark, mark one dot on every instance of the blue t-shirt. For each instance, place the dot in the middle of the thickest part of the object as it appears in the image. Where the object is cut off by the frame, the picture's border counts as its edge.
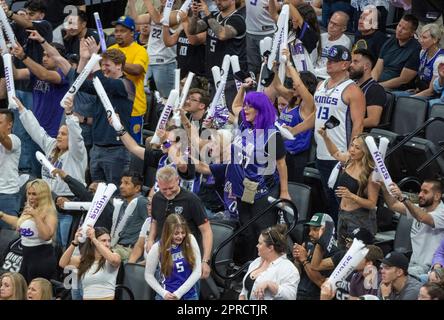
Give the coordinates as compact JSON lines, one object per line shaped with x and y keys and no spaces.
{"x":302,"y":141}
{"x":46,"y":102}
{"x":180,"y":273}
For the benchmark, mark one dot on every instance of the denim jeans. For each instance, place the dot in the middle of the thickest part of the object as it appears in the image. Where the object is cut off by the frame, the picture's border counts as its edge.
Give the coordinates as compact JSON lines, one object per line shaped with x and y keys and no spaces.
{"x":108,"y":163}
{"x":63,"y":228}
{"x":10,"y":204}
{"x":325,"y":167}
{"x":163,"y":75}
{"x":28,"y":162}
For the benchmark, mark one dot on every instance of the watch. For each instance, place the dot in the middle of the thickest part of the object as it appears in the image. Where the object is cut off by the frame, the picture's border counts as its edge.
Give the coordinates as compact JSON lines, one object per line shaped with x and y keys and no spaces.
{"x":206,"y":261}
{"x":74,"y":244}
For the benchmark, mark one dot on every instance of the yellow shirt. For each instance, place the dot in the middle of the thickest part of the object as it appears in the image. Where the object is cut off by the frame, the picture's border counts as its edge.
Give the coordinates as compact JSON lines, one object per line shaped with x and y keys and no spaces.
{"x":136,"y":54}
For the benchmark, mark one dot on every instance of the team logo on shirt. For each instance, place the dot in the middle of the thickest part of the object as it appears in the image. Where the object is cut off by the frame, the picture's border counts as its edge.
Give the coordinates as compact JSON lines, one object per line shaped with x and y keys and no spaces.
{"x":178,"y":210}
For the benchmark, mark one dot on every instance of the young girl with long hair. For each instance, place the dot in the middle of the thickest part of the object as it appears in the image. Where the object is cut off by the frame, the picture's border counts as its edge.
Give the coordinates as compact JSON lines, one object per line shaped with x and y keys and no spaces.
{"x":179,"y":257}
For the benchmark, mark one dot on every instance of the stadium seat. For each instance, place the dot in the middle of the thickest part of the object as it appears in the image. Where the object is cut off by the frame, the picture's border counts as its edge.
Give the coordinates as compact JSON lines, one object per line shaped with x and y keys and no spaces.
{"x":301,"y":196}
{"x":134,"y":281}
{"x":212,"y":287}
{"x":402,"y":242}
{"x":387,"y":112}
{"x":434,"y":132}
{"x":318,"y":201}
{"x":409,"y":114}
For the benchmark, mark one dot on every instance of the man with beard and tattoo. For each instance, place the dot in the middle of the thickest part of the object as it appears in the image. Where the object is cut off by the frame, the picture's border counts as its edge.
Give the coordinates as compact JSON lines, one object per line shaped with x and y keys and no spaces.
{"x":361,"y":71}
{"x":428,"y":228}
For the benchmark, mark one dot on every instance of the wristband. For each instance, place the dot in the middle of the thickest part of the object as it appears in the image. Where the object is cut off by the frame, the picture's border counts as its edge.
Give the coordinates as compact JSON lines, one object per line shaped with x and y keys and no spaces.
{"x":404,"y":199}
{"x":121,"y":132}
{"x":305,"y":262}
{"x":42,"y":42}
{"x":24,"y":57}
{"x":206,"y":261}
{"x":74,"y":244}
{"x":68,"y":113}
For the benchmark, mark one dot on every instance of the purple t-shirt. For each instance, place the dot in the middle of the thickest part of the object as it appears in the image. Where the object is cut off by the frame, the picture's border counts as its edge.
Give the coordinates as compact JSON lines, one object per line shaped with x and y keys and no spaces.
{"x":46,"y":102}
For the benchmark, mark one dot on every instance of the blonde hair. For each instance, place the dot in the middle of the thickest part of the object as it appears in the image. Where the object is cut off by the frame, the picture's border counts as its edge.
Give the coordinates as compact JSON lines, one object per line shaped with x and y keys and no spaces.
{"x":367,"y":164}
{"x":18,"y":283}
{"x":45,"y":288}
{"x":45,"y":204}
{"x":435,"y":31}
{"x":167,"y":173}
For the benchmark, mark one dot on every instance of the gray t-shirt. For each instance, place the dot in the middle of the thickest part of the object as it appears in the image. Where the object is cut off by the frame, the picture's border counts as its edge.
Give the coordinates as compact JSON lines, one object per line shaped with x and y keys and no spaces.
{"x":131,"y":231}
{"x":9,"y":160}
{"x":409,"y":292}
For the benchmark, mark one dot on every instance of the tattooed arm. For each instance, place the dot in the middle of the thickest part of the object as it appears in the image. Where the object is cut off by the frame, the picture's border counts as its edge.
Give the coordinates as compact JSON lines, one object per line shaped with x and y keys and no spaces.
{"x":223,"y":33}
{"x":196,"y":25}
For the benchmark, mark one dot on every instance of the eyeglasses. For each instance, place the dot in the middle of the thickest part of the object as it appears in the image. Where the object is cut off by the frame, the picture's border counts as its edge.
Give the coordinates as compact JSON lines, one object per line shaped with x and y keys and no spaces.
{"x":270,"y":236}
{"x":191,"y":99}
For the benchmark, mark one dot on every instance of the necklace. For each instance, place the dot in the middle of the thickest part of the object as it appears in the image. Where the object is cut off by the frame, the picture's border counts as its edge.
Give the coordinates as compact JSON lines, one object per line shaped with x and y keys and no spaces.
{"x":329,"y":92}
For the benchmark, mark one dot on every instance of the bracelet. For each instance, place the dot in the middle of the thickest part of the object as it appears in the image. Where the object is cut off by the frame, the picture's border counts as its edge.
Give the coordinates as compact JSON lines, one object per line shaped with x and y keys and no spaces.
{"x":74,"y":244}
{"x":68,"y":113}
{"x":121,"y":132}
{"x":24,"y":57}
{"x":305,"y":262}
{"x":206,"y":261}
{"x":404,"y":199}
{"x":42,"y":42}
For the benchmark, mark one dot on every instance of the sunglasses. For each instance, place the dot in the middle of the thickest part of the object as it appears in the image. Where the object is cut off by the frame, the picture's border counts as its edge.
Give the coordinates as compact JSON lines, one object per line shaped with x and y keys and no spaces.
{"x":270,"y":236}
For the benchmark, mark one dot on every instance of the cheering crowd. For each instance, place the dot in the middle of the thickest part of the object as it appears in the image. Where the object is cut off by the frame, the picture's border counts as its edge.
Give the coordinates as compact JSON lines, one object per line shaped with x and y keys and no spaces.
{"x":190,"y":112}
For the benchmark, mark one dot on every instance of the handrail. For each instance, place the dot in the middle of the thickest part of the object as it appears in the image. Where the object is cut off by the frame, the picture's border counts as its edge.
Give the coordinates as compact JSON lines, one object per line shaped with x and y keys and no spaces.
{"x":411,"y":135}
{"x":429,"y":161}
{"x":244,"y":227}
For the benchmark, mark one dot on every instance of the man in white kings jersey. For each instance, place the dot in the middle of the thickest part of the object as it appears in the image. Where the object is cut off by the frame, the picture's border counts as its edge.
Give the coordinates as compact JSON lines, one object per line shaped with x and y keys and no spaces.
{"x":340,"y":97}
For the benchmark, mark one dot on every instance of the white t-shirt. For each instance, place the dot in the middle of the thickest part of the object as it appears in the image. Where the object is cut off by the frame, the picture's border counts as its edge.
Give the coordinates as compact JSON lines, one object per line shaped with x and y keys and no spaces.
{"x":425,"y":240}
{"x":100,"y":284}
{"x":9,"y":160}
{"x":321,"y":64}
{"x":258,"y":19}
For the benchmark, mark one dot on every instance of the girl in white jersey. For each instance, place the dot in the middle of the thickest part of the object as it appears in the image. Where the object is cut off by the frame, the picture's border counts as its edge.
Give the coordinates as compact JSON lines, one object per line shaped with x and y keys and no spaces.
{"x":37,"y":226}
{"x":97,"y":264}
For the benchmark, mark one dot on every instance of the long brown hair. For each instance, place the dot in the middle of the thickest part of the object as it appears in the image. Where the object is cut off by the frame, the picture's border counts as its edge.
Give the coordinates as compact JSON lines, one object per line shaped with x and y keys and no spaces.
{"x":88,"y":253}
{"x":172,"y":222}
{"x":367,"y":165}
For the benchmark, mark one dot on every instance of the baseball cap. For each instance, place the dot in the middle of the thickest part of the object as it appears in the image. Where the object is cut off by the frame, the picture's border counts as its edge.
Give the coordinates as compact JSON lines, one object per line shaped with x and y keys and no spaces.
{"x":338,"y":53}
{"x":127,"y":22}
{"x":396,"y":259}
{"x":318,"y":219}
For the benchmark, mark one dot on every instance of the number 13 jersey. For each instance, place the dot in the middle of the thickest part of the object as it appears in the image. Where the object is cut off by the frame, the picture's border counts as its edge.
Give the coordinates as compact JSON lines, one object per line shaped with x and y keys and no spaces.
{"x":329,"y":102}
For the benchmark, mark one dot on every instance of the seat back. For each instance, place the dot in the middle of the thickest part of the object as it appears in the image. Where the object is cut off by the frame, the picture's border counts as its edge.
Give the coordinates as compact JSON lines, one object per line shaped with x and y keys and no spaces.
{"x":136,"y":164}
{"x":134,"y":280}
{"x":409,"y":114}
{"x":416,"y":152}
{"x":387,"y":112}
{"x":402,"y":242}
{"x":312,"y":178}
{"x":6,"y":238}
{"x":434,"y":131}
{"x":301,"y":196}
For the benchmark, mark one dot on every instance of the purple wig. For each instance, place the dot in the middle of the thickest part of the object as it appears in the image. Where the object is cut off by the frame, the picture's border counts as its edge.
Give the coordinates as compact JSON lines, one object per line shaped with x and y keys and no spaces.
{"x":266,"y":113}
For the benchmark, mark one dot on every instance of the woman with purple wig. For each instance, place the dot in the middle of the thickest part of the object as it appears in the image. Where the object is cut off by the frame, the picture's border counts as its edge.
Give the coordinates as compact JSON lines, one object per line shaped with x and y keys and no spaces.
{"x":257,"y":168}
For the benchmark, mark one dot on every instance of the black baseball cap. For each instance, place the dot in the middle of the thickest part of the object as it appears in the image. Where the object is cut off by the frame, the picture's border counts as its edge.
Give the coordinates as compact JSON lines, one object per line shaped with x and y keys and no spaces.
{"x":396,"y":259}
{"x":338,"y":53}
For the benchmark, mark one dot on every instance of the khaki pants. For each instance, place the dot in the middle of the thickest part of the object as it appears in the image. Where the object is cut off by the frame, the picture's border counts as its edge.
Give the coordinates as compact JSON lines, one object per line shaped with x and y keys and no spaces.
{"x":122,"y":251}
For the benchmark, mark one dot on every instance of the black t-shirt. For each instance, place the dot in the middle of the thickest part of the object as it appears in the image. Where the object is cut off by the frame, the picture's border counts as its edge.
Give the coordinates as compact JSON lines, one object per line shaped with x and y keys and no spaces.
{"x":374,"y":94}
{"x":152,"y":158}
{"x":72,"y":44}
{"x":32,"y":48}
{"x":372,"y":42}
{"x":189,"y":57}
{"x":217,"y":49}
{"x":186,"y":204}
{"x":427,"y":11}
{"x":56,"y":12}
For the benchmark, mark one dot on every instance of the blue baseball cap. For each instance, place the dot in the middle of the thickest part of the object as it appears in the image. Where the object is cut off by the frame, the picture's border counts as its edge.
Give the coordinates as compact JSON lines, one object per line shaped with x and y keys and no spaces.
{"x":127,"y":22}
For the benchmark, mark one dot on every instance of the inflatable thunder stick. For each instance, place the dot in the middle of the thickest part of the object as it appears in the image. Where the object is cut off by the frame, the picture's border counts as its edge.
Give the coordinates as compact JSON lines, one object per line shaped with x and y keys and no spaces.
{"x":107,"y":104}
{"x":95,"y":58}
{"x":100,"y":31}
{"x":163,"y":120}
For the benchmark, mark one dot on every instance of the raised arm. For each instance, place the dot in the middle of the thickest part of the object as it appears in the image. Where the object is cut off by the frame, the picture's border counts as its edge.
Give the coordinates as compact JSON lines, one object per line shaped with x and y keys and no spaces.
{"x":154,"y":14}
{"x":194,"y":39}
{"x":39,"y":71}
{"x":11,"y":220}
{"x":170,"y":39}
{"x":111,"y":257}
{"x":332,"y":148}
{"x":196,"y":25}
{"x":61,"y":62}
